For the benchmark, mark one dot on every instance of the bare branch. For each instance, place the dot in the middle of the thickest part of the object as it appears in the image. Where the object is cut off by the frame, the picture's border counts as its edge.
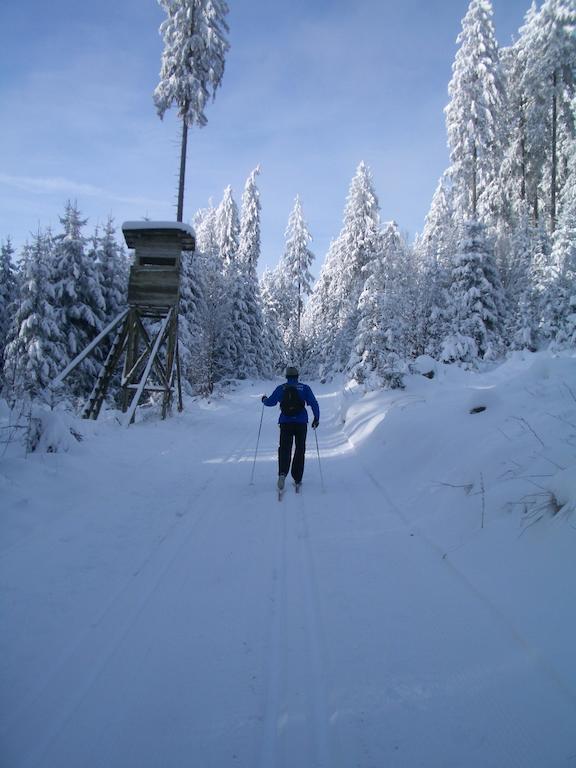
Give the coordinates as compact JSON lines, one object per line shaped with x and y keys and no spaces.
{"x":570,"y":391}
{"x":523,"y":421}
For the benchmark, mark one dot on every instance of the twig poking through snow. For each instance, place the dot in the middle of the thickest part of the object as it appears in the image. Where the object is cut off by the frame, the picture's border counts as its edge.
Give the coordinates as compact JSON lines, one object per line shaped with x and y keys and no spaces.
{"x":570,"y":391}
{"x":562,"y":419}
{"x":523,"y":420}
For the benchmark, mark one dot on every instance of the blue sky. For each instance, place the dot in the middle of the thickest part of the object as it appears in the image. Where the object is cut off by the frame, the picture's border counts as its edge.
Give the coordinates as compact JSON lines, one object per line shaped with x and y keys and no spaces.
{"x":311,"y":88}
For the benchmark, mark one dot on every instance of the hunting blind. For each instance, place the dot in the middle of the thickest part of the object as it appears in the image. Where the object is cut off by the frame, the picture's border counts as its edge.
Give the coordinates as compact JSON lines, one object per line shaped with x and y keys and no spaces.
{"x":147,"y":330}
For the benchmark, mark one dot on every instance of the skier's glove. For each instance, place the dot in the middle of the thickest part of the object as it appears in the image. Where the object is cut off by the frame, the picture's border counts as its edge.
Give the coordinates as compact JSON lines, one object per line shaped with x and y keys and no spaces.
{"x":315,"y":423}
{"x":264,"y":398}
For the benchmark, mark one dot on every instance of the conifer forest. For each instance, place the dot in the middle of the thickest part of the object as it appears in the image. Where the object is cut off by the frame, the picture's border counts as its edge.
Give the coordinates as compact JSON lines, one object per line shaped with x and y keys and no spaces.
{"x":492,"y":271}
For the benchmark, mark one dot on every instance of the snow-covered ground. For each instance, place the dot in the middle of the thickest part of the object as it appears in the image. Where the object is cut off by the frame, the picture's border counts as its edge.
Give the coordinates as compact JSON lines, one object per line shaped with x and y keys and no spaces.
{"x":158,"y":611}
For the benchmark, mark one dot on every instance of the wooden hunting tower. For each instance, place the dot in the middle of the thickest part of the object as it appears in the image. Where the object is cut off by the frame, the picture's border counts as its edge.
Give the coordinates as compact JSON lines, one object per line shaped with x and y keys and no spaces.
{"x":155,"y":273}
{"x":147,"y":330}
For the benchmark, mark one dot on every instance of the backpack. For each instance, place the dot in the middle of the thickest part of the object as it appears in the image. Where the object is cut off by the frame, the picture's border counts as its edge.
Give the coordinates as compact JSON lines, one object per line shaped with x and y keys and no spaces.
{"x":291,"y":403}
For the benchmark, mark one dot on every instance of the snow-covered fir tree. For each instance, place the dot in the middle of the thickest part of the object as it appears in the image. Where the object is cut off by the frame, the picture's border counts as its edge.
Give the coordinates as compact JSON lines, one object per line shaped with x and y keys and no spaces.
{"x":475,"y":301}
{"x":35,"y":352}
{"x":238,"y":339}
{"x":386,"y":311}
{"x":320,"y":324}
{"x":227,"y":225}
{"x":560,"y":292}
{"x":195,"y":48}
{"x":192,"y":320}
{"x":543,"y":278}
{"x":272,"y":310}
{"x":522,"y":327}
{"x":332,"y":313}
{"x":434,"y":250}
{"x":235,"y":334}
{"x":296,"y":262}
{"x":521,"y":169}
{"x":401,"y":308}
{"x":252,"y":361}
{"x":371,"y":344}
{"x":549,"y":82}
{"x":474,"y":113}
{"x":209,"y":358}
{"x":78,"y":295}
{"x":8,"y":293}
{"x":113,"y":265}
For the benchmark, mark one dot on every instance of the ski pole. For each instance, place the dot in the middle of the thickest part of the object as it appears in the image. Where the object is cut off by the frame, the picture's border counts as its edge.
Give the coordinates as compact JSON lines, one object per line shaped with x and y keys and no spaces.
{"x":257,"y":443}
{"x":319,"y":462}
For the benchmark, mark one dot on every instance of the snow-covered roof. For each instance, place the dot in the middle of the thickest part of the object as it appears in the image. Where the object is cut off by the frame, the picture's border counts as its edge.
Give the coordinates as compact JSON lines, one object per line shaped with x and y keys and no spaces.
{"x":136,"y":230}
{"x":158,"y":225}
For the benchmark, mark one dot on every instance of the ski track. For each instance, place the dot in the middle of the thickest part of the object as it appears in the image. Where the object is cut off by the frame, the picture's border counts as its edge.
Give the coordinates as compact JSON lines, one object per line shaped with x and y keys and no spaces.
{"x":262,"y":633}
{"x":108,"y":629}
{"x":296,"y":714}
{"x":509,"y":737}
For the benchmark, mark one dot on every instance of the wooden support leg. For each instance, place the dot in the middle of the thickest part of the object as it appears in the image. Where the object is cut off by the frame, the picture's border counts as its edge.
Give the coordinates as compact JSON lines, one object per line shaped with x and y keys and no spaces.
{"x":170,"y":358}
{"x":179,"y":380}
{"x":94,"y":403}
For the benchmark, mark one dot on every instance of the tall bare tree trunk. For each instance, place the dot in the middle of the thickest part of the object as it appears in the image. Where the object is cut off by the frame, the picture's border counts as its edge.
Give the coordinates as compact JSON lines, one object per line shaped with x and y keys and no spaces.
{"x":183,"y":148}
{"x":554,"y":154}
{"x":523,"y":152}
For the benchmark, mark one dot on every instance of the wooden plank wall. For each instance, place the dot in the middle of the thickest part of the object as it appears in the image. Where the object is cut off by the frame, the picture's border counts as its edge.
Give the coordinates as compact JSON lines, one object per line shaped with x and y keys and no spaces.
{"x":153,"y":286}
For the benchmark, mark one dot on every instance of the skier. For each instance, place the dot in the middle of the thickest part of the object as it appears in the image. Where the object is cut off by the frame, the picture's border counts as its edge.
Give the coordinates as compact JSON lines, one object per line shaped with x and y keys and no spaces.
{"x":293,"y":397}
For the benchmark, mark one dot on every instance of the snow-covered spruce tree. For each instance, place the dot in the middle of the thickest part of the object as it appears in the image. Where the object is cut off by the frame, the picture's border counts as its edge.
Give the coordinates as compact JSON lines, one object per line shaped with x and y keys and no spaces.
{"x":475,"y":301}
{"x":272,"y":310}
{"x":405,"y":299}
{"x":543,"y":278}
{"x":78,"y":295}
{"x":113,"y":264}
{"x":192,"y":319}
{"x":237,"y":339}
{"x":252,"y":360}
{"x":359,"y":242}
{"x":333,"y":308}
{"x":474,"y":113}
{"x":321,"y":317}
{"x":210,"y":343}
{"x":227,"y":225}
{"x":521,"y":168}
{"x":370,"y":344}
{"x":281,"y":293}
{"x":560,"y":306}
{"x":227,"y":238}
{"x":195,"y":48}
{"x":434,"y":250}
{"x":522,"y":320}
{"x":296,"y":262}
{"x":8,"y":292}
{"x":386,"y":308}
{"x":550,"y":63}
{"x":35,"y":352}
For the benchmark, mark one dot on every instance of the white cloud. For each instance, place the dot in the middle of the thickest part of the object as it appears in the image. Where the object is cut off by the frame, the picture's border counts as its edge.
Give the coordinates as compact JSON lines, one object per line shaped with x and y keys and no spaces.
{"x":59,"y":185}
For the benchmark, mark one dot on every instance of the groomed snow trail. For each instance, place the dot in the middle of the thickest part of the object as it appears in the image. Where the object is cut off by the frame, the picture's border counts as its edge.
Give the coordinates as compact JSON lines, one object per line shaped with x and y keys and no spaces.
{"x":163,"y":613}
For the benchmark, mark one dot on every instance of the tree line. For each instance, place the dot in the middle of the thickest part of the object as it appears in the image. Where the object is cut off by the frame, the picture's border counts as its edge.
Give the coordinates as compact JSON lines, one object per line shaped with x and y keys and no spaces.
{"x":494,"y":269}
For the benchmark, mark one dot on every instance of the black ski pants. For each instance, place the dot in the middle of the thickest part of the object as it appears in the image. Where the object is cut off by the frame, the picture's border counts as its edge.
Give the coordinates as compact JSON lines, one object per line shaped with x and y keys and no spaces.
{"x":289,"y":434}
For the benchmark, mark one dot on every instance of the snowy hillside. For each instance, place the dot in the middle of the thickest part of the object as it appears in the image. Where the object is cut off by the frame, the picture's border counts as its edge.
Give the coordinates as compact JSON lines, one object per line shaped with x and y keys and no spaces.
{"x":160,"y":611}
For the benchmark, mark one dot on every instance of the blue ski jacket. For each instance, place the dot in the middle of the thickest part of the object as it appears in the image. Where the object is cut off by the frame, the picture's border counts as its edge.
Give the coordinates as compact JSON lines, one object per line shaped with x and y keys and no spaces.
{"x":305,"y":393}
